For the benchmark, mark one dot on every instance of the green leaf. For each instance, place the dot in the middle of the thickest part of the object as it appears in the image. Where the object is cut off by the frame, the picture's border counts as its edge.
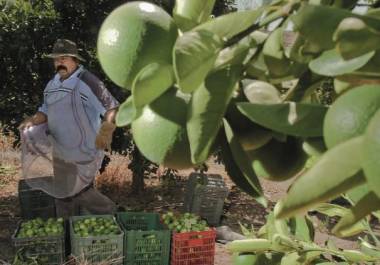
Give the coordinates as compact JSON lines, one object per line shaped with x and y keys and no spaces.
{"x":151,"y":82}
{"x":305,"y":89}
{"x":298,"y":51}
{"x":331,"y":210}
{"x":241,"y":51}
{"x":206,"y":110}
{"x":371,"y":152}
{"x":369,"y":249}
{"x":334,"y":173}
{"x":229,"y":25}
{"x":356,"y":194}
{"x":317,"y":23}
{"x":268,"y":258}
{"x":331,"y":244}
{"x":257,"y":69}
{"x":280,"y":225}
{"x":357,"y":256}
{"x":302,"y":228}
{"x":369,"y":71}
{"x":188,"y":14}
{"x":333,"y":263}
{"x":331,"y":63}
{"x":349,"y":38}
{"x":340,"y":86}
{"x":271,"y":228}
{"x":127,"y":113}
{"x":235,"y":173}
{"x":278,"y":12}
{"x":369,"y":203}
{"x":297,"y":258}
{"x":314,"y":146}
{"x":274,"y":57}
{"x":291,"y":258}
{"x":292,"y":118}
{"x":195,"y":53}
{"x":243,"y":163}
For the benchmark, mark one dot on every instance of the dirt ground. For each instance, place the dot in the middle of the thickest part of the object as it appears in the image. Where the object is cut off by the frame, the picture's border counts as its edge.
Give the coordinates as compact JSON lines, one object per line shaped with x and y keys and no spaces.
{"x":157,"y":197}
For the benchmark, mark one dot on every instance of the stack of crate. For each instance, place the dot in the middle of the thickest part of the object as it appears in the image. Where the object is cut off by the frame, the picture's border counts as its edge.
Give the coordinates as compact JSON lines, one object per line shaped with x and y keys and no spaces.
{"x":146,"y":242}
{"x":33,"y":202}
{"x":205,"y":196}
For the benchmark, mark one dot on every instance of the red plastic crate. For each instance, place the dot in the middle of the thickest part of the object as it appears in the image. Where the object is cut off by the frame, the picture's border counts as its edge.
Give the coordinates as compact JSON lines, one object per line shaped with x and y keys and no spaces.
{"x":193,"y":248}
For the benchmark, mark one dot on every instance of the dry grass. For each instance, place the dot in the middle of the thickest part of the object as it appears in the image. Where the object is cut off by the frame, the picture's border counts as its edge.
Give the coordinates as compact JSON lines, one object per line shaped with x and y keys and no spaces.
{"x":6,"y":140}
{"x":116,"y":176}
{"x":9,"y":164}
{"x":82,"y":261}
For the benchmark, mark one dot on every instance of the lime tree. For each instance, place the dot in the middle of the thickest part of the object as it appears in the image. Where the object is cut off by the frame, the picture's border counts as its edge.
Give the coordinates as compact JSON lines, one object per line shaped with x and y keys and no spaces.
{"x":268,"y":100}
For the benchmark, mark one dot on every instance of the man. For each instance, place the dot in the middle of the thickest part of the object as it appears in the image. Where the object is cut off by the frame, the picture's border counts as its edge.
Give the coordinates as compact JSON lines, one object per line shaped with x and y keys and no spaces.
{"x":74,"y":101}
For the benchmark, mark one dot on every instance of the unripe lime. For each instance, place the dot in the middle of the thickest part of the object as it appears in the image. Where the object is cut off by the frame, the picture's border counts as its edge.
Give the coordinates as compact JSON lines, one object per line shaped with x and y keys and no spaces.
{"x":261,"y":93}
{"x":250,"y":135}
{"x":244,"y":259}
{"x":160,"y":131}
{"x":278,"y":161}
{"x":349,"y":115}
{"x":133,"y":36}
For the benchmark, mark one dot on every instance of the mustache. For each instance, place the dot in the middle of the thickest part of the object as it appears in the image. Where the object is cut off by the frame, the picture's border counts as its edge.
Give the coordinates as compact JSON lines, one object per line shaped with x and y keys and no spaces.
{"x":61,"y":67}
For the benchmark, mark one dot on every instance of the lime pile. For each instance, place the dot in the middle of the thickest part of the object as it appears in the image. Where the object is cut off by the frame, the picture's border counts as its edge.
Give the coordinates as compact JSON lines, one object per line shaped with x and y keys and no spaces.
{"x":95,"y":226}
{"x":40,"y":228}
{"x":186,"y":222}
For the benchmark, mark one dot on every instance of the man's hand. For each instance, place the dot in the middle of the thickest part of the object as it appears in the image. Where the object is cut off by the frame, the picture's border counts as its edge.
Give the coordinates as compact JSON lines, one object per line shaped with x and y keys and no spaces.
{"x":36,"y":119}
{"x":25,"y":124}
{"x":104,"y":138}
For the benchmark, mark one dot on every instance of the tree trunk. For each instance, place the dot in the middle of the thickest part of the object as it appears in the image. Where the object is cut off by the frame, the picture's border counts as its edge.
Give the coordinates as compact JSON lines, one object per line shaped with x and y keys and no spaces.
{"x":138,"y":170}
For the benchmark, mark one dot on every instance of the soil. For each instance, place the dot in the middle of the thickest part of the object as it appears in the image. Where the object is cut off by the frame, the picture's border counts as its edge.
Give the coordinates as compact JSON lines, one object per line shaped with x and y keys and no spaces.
{"x":158,"y":196}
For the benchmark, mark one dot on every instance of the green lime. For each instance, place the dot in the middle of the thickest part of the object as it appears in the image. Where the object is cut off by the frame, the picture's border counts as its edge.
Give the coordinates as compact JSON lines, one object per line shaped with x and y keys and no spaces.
{"x":261,"y":93}
{"x":160,"y":131}
{"x":243,"y":259}
{"x":349,"y":115}
{"x":278,"y":161}
{"x":133,"y":36}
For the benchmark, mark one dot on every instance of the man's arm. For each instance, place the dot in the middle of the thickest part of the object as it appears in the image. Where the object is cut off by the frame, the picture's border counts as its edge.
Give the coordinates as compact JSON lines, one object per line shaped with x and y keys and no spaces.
{"x":109,"y":103}
{"x":110,"y":115}
{"x":36,"y":119}
{"x":104,"y":137}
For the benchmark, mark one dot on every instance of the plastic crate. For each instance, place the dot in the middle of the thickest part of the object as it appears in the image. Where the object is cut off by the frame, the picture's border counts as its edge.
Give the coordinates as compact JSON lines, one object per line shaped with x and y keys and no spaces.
{"x":96,"y":248}
{"x":193,"y":248}
{"x":49,"y":250}
{"x":145,"y":240}
{"x":34,"y":203}
{"x":205,"y":195}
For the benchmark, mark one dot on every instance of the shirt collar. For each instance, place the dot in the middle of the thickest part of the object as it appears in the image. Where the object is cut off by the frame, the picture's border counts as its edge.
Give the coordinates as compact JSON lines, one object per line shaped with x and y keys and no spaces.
{"x":73,"y":75}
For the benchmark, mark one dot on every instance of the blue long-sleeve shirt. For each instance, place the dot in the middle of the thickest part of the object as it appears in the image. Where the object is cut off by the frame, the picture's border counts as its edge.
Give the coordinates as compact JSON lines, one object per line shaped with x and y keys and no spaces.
{"x":95,"y":96}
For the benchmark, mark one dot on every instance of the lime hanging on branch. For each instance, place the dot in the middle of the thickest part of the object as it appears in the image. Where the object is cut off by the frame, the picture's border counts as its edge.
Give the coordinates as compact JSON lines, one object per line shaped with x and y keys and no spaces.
{"x":160,"y":131}
{"x":348,"y":117}
{"x":132,"y":36}
{"x":278,"y":161}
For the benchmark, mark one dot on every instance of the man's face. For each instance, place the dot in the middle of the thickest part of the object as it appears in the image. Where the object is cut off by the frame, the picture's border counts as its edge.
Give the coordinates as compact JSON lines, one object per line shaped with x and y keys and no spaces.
{"x":65,"y":66}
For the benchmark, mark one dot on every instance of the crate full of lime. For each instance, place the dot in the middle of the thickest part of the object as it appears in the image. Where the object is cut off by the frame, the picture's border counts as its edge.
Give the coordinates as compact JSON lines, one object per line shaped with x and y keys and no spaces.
{"x":184,"y":223}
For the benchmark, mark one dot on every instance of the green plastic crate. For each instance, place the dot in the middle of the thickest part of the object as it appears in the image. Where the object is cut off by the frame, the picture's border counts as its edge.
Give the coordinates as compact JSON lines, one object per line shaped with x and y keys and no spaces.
{"x":96,"y":248}
{"x":205,"y":195}
{"x":145,"y":240}
{"x":47,"y":250}
{"x":34,"y":203}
